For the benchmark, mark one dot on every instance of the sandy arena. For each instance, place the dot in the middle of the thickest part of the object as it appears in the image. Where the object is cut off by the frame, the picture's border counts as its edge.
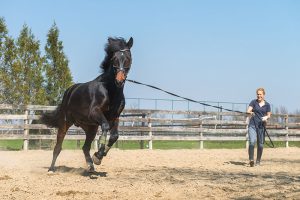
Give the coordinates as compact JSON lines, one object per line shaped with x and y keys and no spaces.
{"x":156,"y":174}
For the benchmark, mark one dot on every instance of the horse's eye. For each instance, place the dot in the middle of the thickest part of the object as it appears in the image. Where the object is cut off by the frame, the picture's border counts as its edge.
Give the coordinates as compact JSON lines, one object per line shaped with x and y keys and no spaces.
{"x":116,"y":63}
{"x":127,"y":63}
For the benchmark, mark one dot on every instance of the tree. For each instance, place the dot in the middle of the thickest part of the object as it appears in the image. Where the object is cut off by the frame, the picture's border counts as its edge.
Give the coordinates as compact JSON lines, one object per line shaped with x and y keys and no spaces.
{"x":7,"y":65}
{"x":58,"y":75}
{"x":281,"y":110}
{"x":29,"y":76}
{"x":297,"y":112}
{"x":10,"y":73}
{"x":3,"y":36}
{"x":26,"y":77}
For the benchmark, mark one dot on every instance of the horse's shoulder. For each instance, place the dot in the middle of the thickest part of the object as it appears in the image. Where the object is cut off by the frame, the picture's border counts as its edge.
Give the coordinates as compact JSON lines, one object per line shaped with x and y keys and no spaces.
{"x":95,"y":86}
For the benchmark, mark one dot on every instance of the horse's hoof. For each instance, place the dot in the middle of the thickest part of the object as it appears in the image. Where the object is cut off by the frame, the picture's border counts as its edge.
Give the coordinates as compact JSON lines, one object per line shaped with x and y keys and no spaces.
{"x":91,"y":171}
{"x":50,"y":172}
{"x":90,"y":168}
{"x":96,"y":160}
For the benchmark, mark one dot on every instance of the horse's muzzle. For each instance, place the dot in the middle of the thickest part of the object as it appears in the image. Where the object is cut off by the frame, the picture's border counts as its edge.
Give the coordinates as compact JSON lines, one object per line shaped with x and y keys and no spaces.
{"x":120,"y":78}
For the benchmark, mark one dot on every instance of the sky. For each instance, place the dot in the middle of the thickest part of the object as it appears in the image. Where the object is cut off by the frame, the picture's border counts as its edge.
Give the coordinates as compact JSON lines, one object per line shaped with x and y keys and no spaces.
{"x":219,"y":51}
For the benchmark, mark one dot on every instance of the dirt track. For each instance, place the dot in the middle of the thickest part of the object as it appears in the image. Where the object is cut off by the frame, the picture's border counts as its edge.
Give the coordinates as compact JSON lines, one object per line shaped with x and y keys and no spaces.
{"x":157,"y":174}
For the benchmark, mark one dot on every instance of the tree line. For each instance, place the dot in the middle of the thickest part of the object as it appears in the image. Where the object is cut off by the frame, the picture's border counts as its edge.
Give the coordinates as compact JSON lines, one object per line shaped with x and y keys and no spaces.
{"x":28,"y":77}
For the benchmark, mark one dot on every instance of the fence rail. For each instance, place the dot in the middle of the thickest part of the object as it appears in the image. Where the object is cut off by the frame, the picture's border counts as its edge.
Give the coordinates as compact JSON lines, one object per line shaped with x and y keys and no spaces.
{"x":150,"y":125}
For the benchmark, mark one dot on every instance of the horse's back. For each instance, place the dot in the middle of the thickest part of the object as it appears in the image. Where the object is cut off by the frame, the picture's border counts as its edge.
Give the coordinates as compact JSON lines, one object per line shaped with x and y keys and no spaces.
{"x":89,"y":93}
{"x":81,"y":98}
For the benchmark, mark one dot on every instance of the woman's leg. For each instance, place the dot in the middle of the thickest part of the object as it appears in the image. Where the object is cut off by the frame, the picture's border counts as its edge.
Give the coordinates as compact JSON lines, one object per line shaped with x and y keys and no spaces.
{"x":252,"y":139}
{"x":260,"y":144}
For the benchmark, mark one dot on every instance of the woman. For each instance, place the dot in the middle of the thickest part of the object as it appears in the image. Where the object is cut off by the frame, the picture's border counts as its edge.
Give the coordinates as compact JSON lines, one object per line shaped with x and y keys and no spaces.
{"x":260,"y":111}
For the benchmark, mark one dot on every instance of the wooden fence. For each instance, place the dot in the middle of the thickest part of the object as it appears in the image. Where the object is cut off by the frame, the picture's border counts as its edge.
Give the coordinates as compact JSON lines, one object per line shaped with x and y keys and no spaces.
{"x":21,"y":122}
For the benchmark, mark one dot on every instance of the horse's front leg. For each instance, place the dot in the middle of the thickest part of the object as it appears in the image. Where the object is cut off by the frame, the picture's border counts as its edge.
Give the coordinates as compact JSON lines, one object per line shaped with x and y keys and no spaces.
{"x":104,"y":147}
{"x":98,"y":156}
{"x":114,"y":135}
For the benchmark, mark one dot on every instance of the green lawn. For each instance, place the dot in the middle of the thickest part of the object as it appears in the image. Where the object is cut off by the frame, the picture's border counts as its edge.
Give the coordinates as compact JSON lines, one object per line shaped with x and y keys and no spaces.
{"x":127,"y":145}
{"x":12,"y":145}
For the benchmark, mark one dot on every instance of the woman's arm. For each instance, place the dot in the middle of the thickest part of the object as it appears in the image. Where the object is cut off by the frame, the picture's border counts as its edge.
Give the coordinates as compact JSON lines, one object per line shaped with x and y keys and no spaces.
{"x":249,"y":110}
{"x":265,"y":118}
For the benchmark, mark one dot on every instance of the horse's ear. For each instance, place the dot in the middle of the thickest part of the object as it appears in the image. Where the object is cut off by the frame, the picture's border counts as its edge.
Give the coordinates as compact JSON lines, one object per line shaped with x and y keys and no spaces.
{"x":130,"y":42}
{"x":109,"y":40}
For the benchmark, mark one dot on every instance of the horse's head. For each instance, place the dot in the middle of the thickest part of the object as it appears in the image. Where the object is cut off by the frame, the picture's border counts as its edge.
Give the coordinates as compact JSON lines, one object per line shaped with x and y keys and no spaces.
{"x":118,"y":59}
{"x":121,"y":62}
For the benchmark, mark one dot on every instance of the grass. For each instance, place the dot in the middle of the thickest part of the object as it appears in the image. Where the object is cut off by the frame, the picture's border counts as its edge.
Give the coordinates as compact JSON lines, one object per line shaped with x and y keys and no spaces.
{"x":224,"y":144}
{"x":12,"y":145}
{"x":128,"y":145}
{"x":195,"y":144}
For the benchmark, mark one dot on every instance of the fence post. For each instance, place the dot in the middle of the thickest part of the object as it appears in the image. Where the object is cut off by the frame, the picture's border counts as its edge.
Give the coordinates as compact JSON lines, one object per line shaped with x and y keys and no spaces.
{"x":78,"y":144}
{"x":201,"y":134}
{"x":220,"y":115}
{"x":247,"y":138}
{"x":142,"y":133}
{"x":150,"y":134}
{"x":201,"y":137}
{"x":286,"y":120}
{"x":26,"y":131}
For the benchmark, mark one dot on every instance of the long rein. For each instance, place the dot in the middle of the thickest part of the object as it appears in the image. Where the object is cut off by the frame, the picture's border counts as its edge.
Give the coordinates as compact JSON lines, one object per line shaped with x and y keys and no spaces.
{"x":199,"y":102}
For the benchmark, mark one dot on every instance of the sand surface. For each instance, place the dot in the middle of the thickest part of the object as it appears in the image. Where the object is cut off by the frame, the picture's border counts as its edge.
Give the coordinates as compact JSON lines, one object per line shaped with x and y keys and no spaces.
{"x":152,"y":174}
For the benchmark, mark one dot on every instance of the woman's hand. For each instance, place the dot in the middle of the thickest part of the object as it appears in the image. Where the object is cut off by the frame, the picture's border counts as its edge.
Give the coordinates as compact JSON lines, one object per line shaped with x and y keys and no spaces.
{"x":264,"y":118}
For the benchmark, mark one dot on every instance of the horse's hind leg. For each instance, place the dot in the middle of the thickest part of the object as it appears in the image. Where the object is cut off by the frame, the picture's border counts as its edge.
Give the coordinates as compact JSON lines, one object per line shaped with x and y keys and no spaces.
{"x":61,"y":133}
{"x":90,"y":132}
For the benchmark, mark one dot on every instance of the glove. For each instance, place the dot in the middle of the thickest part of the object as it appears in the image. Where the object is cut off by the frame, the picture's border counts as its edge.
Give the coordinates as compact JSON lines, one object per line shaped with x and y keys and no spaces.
{"x":264,"y":118}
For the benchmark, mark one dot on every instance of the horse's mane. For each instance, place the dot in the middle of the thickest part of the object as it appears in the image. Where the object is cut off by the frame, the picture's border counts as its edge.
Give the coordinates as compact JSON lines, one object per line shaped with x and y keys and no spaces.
{"x":113,"y":45}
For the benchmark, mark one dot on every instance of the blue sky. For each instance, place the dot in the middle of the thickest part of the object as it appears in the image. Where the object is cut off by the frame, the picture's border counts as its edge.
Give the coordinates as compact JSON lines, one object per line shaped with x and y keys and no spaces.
{"x":205,"y":50}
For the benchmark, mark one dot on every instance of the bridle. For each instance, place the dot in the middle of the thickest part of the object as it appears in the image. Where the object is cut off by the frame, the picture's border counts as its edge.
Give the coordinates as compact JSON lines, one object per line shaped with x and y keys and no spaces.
{"x":121,"y":68}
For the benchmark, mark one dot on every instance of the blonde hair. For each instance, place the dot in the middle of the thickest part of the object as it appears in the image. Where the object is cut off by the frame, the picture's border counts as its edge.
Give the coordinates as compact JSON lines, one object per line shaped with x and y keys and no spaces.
{"x":261,"y":89}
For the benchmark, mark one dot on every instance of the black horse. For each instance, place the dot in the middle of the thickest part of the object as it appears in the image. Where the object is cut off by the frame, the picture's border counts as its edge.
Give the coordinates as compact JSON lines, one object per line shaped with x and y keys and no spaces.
{"x":95,"y":103}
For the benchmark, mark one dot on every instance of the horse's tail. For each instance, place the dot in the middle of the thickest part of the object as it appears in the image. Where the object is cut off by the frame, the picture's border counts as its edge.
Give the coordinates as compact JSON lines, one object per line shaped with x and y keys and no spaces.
{"x":54,"y":118}
{"x":57,"y":117}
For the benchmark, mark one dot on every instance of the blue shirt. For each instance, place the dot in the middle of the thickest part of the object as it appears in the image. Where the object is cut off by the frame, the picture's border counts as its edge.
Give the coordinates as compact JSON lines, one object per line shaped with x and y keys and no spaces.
{"x":259,"y":113}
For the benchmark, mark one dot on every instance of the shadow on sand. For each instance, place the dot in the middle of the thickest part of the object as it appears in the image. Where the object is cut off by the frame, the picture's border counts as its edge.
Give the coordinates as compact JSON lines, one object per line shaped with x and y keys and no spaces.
{"x":80,"y":171}
{"x":236,"y":163}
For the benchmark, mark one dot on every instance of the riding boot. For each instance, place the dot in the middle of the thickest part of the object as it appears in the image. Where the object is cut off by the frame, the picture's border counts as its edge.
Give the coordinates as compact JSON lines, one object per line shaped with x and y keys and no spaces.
{"x":259,"y":153}
{"x":251,"y":152}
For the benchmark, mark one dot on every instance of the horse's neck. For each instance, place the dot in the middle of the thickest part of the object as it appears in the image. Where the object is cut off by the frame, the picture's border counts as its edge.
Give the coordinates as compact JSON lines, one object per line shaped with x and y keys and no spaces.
{"x":108,"y":79}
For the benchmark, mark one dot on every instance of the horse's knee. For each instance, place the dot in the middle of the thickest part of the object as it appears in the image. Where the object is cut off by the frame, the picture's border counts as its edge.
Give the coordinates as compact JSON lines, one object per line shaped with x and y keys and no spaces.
{"x":86,"y":148}
{"x":113,"y":138}
{"x":105,"y":126}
